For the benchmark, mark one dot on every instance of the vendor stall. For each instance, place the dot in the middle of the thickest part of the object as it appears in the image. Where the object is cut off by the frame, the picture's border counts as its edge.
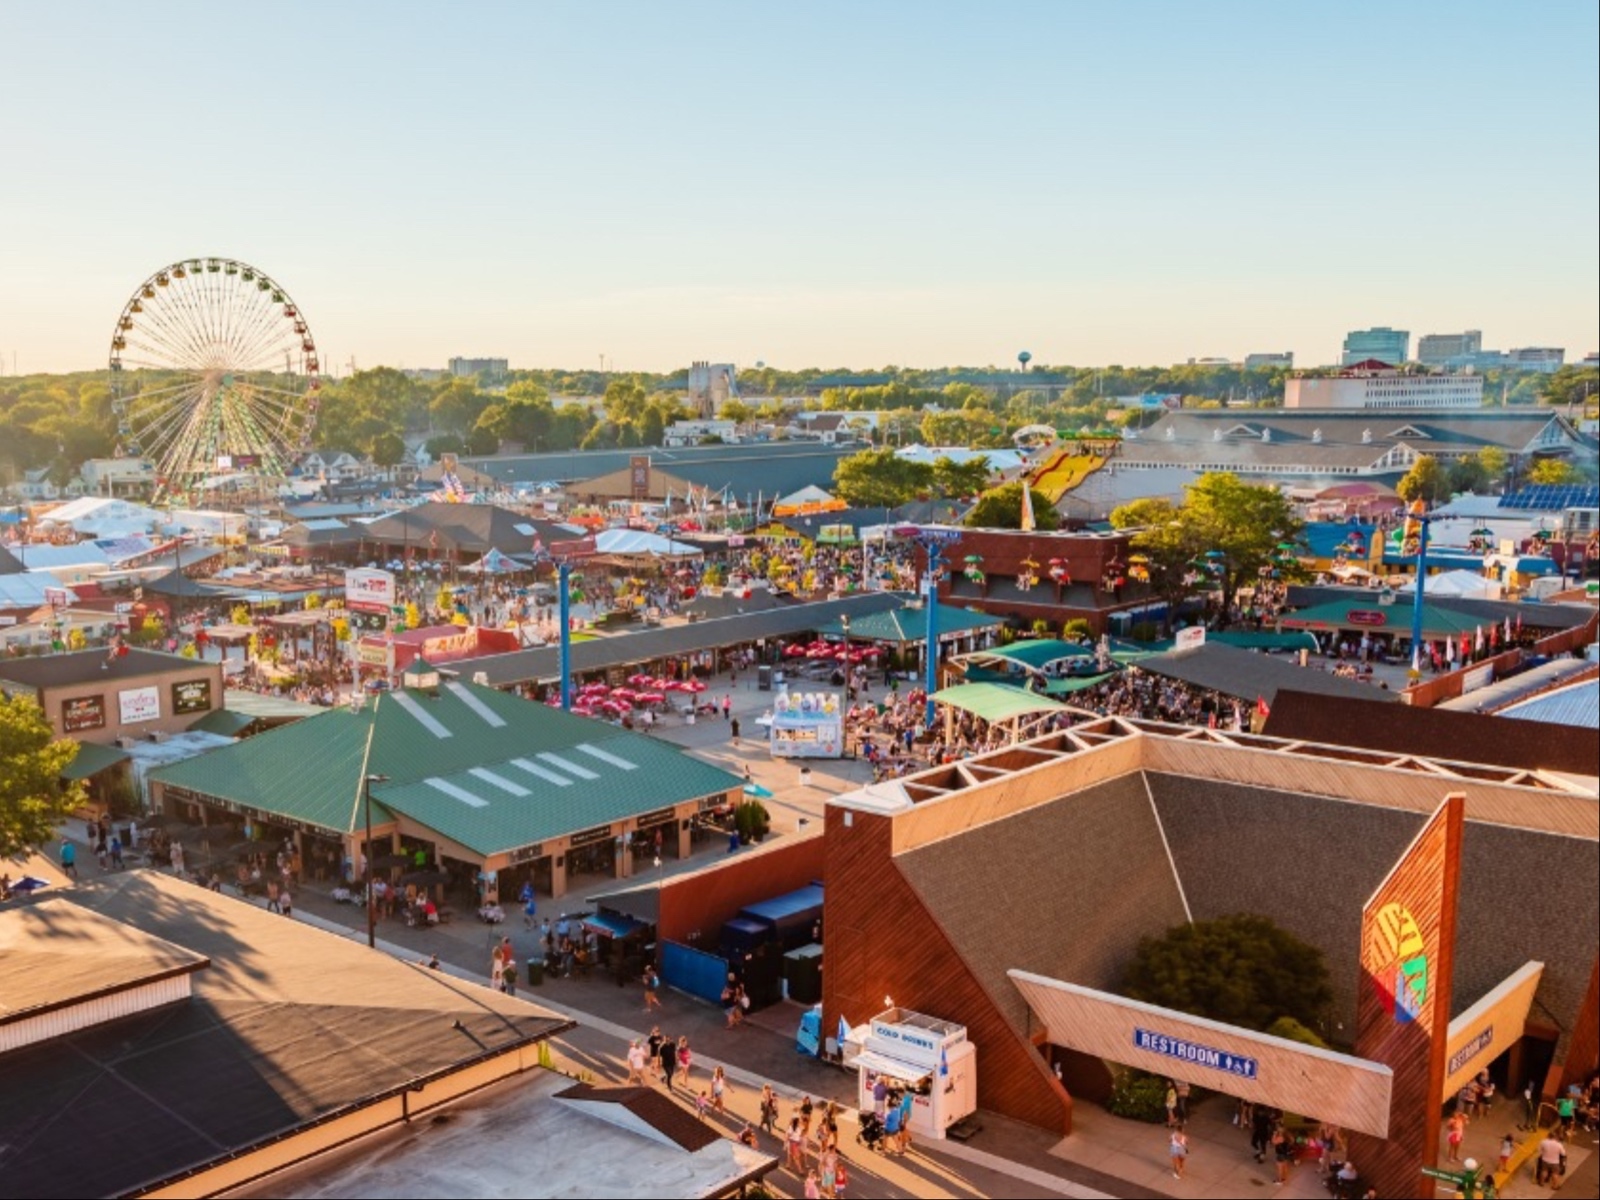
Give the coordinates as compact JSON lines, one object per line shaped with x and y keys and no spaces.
{"x":925,"y":1055}
{"x":806,"y":725}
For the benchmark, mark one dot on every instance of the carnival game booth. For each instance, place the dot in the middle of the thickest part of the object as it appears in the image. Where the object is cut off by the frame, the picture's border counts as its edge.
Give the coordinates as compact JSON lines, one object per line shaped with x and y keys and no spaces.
{"x":931,"y":1058}
{"x":806,"y":725}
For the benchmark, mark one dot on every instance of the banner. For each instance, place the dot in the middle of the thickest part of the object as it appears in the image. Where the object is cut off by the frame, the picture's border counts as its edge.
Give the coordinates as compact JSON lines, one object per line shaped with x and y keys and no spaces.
{"x":367,"y":590}
{"x":83,"y":712}
{"x":139,"y":704}
{"x":1408,"y":936}
{"x":191,"y":696}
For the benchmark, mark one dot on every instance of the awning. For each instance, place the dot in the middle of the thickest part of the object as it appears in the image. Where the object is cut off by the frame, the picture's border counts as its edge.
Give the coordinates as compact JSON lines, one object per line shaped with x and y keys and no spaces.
{"x":224,"y":721}
{"x":995,"y":701}
{"x":642,"y":904}
{"x":1075,"y":683}
{"x":895,"y":1068}
{"x":611,"y":924}
{"x":92,"y":759}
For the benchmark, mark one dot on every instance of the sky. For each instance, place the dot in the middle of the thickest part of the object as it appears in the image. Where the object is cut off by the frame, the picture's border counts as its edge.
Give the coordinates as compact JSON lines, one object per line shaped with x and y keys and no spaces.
{"x":827,"y":184}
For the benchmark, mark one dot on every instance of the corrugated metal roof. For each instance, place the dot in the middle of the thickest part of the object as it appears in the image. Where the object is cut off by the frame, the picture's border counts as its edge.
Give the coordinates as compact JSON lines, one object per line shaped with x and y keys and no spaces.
{"x":1577,"y":705}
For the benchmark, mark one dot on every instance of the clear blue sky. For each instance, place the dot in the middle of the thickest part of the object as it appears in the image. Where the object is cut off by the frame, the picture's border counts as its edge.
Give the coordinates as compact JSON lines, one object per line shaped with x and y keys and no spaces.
{"x":822,"y":184}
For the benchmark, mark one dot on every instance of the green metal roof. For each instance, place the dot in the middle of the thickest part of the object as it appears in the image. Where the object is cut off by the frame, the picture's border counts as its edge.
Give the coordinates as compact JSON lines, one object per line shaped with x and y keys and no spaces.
{"x":1039,"y":652}
{"x":1077,"y":683}
{"x":905,"y":625}
{"x":1384,"y":618}
{"x":91,"y":759}
{"x":995,"y":701}
{"x":1251,"y":639}
{"x":483,"y":768}
{"x":224,"y":721}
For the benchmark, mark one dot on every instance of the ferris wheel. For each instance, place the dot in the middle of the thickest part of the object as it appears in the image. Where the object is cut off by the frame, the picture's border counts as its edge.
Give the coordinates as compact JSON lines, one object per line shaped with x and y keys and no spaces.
{"x":213,"y":372}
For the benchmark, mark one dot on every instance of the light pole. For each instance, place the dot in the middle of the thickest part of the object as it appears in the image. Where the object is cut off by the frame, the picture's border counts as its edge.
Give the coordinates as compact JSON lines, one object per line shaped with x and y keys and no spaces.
{"x":932,"y":539}
{"x":372,"y":913}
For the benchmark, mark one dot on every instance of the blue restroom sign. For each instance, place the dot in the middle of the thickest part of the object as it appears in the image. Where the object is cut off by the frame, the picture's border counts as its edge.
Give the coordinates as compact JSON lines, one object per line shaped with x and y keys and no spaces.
{"x":1193,"y":1052}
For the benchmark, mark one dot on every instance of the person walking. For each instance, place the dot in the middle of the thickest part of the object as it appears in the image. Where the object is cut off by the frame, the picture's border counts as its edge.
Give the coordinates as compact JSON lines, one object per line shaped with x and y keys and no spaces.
{"x":719,"y":1089}
{"x":669,"y":1060}
{"x":795,"y":1147}
{"x":1455,"y":1131}
{"x":685,"y":1059}
{"x":636,"y":1063}
{"x":769,"y":1107}
{"x":1552,"y":1162}
{"x":1282,"y":1154}
{"x":1178,"y":1150}
{"x":1171,"y":1103}
{"x":69,"y":858}
{"x":652,"y":985}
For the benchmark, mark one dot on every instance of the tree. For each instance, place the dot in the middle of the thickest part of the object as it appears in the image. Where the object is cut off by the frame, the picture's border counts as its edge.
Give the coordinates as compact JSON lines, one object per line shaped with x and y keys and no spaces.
{"x":879,"y":479}
{"x":1426,"y":481}
{"x":387,"y":449}
{"x":1494,"y":461}
{"x":952,"y":478}
{"x":1238,"y":527}
{"x":1553,"y":470}
{"x":1242,"y":970}
{"x":1468,"y":475}
{"x":33,"y":796}
{"x":1170,"y":543}
{"x":1001,"y":508}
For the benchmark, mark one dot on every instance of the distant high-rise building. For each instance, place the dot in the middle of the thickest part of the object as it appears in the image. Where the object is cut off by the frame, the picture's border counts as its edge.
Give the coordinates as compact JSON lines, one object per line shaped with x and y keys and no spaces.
{"x":1437,"y":349}
{"x":1380,"y":342}
{"x":711,"y":385}
{"x":487,"y":369}
{"x":1253,"y":362}
{"x":1548,"y":359}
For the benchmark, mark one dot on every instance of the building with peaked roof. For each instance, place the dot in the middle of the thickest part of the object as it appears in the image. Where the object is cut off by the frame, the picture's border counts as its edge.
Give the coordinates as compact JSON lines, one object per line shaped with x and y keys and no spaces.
{"x":1056,"y":855}
{"x":209,"y":1043}
{"x":483,"y":781}
{"x":437,"y":528}
{"x":1331,"y":445}
{"x":109,"y":696}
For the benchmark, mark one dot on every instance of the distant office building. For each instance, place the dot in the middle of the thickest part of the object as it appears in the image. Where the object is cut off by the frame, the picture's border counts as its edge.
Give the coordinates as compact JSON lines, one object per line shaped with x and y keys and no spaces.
{"x":711,"y":385}
{"x":1380,"y":342}
{"x":487,"y":369}
{"x":1548,"y":359}
{"x":1591,"y":359}
{"x":1439,"y":349}
{"x":1376,"y":385}
{"x":1255,"y":362}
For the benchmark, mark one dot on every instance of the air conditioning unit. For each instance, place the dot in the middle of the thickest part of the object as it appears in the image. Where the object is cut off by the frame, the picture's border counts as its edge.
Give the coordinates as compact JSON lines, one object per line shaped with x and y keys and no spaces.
{"x":127,"y":743}
{"x":157,"y":735}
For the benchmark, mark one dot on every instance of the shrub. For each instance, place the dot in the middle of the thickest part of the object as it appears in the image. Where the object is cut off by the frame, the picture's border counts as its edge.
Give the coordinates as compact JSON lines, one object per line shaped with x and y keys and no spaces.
{"x":1077,"y":630}
{"x":1139,"y":1096}
{"x":752,"y":820}
{"x":1291,"y":1030}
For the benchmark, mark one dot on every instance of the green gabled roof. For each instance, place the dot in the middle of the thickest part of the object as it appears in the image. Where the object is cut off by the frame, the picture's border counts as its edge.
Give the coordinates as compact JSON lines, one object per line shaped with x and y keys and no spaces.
{"x":225,"y":721}
{"x":1039,"y":652}
{"x":481,"y":809}
{"x":904,"y":625}
{"x":309,"y":771}
{"x":91,"y":759}
{"x":490,"y":747}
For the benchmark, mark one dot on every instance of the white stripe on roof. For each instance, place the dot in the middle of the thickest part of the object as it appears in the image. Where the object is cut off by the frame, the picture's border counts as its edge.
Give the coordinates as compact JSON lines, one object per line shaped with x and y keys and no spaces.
{"x":460,"y":691}
{"x":499,"y":781}
{"x":424,"y":718}
{"x":606,"y":756}
{"x":571,"y":768}
{"x":461,"y":794}
{"x":549,"y":776}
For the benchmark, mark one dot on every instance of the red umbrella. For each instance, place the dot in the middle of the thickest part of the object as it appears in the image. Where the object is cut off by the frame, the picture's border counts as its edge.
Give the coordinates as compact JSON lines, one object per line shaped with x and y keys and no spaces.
{"x":651,"y":698}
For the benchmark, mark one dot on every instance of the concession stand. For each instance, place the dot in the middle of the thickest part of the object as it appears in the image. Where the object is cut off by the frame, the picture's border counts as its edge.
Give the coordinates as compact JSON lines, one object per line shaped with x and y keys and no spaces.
{"x":930,"y":1057}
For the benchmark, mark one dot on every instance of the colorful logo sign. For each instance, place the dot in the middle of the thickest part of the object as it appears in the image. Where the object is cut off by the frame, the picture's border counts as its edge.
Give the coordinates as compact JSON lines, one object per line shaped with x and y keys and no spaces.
{"x":1365,"y":616}
{"x":1397,"y":959}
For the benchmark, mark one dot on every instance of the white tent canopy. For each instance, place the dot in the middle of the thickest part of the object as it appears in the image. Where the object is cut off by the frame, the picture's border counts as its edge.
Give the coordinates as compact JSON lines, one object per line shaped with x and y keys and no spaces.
{"x":637,"y":541}
{"x":102,"y":516}
{"x":1465,"y":585}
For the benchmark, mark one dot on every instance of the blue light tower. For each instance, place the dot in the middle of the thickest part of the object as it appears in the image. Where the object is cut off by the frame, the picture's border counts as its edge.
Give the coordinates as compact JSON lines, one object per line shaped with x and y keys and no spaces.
{"x":564,"y":594}
{"x":933,"y":539}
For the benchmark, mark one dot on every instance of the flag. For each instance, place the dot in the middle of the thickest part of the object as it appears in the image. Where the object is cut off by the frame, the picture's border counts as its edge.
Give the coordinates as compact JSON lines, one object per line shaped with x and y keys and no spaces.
{"x":1508,"y":629}
{"x":1261,"y":708}
{"x":844,"y":1030}
{"x":1211,"y":723}
{"x":1027,"y":523}
{"x":944,"y":1063}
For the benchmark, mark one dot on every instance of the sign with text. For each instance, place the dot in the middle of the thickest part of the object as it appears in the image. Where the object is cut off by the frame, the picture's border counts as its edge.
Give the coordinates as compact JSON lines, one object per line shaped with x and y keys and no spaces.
{"x":1483,"y":1031}
{"x":639,"y":476}
{"x":1190,"y":638}
{"x":1191,"y":1052}
{"x":367,"y":590}
{"x":1366,"y":616}
{"x":191,"y":696}
{"x":139,"y":704}
{"x":83,"y":712}
{"x":598,"y":834}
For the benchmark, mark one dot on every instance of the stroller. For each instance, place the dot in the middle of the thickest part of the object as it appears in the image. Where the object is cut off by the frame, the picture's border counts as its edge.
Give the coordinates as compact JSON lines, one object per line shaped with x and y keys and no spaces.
{"x":871,"y":1131}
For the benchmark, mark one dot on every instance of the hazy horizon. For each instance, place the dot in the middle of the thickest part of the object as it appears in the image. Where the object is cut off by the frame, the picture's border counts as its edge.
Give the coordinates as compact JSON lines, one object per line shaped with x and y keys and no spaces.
{"x":916,"y":184}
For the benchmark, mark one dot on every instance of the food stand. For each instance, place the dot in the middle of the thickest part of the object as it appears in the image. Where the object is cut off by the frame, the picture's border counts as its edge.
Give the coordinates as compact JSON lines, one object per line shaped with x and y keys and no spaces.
{"x":806,"y":725}
{"x":929,"y":1056}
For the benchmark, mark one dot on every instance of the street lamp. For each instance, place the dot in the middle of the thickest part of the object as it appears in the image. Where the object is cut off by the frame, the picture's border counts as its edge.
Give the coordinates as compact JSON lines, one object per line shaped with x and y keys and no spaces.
{"x":372,"y":913}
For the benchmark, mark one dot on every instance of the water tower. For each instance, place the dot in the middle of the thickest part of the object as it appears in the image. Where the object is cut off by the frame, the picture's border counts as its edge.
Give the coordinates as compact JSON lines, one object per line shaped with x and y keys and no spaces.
{"x":1023,"y":359}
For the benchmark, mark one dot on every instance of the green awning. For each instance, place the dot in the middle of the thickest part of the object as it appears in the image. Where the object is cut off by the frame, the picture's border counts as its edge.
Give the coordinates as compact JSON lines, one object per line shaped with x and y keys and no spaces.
{"x":1077,"y":683}
{"x":224,"y":721}
{"x":995,"y":701}
{"x":1356,"y":616}
{"x":92,"y":759}
{"x":1038,"y":652}
{"x":1250,"y":639}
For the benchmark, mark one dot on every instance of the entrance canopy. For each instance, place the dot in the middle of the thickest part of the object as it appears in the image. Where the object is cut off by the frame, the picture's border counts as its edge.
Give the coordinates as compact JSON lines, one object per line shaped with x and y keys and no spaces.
{"x":1350,"y":1092}
{"x":638,"y":541}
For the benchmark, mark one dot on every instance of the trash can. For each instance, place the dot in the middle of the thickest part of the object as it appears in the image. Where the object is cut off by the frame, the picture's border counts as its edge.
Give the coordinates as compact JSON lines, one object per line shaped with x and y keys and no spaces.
{"x":764,"y":677}
{"x":535,"y":972}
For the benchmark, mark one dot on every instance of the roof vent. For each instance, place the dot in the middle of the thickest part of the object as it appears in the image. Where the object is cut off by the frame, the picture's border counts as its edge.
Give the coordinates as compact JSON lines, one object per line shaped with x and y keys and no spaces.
{"x":1172,"y":433}
{"x":422,"y":676}
{"x":1316,"y":437}
{"x":1216,"y":434}
{"x":1366,"y":437}
{"x":1266,"y":435}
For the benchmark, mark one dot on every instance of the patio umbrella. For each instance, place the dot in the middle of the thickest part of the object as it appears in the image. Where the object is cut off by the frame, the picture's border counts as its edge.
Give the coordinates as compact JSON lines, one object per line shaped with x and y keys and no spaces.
{"x":755,"y":789}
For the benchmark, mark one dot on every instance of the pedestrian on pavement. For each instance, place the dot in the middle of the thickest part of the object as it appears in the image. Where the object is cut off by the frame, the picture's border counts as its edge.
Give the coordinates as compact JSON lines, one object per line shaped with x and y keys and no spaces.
{"x":734,"y":730}
{"x":1282,"y":1153}
{"x":669,"y":1060}
{"x":719,"y":1089}
{"x":769,"y":1107}
{"x":685,"y":1058}
{"x":905,"y":1120}
{"x":795,"y":1147}
{"x":1183,"y":1102}
{"x":636,"y":1068}
{"x":1552,"y":1162}
{"x":1178,"y":1150}
{"x":116,"y":852}
{"x":1171,"y":1103}
{"x":286,"y":903}
{"x":652,"y":985}
{"x":1455,"y":1131}
{"x":1508,"y":1146}
{"x":813,"y":1186}
{"x":69,"y":858}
